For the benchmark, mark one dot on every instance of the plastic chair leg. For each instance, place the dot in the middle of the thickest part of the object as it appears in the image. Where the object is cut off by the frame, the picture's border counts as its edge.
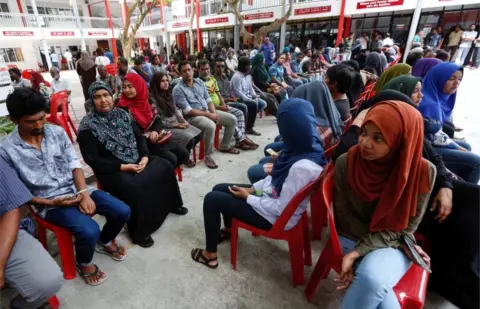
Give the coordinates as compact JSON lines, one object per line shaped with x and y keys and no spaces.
{"x":72,"y":125}
{"x":320,"y":271}
{"x":53,"y":302}
{"x":42,"y":236}
{"x":65,"y":246}
{"x":261,"y":114}
{"x":216,"y":140}
{"x":194,"y":152}
{"x":233,"y":244}
{"x":178,"y":172}
{"x":307,"y":249}
{"x":64,"y":124}
{"x":317,"y":213}
{"x":201,"y":156}
{"x":295,"y":245}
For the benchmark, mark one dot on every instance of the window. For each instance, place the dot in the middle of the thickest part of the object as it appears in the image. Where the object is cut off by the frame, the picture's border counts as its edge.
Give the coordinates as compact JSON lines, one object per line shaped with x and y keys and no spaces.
{"x":4,"y":8}
{"x":12,"y":54}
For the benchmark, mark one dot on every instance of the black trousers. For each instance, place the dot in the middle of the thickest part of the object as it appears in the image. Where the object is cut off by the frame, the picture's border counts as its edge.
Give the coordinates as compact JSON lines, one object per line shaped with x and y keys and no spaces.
{"x":176,"y":154}
{"x":221,"y":201}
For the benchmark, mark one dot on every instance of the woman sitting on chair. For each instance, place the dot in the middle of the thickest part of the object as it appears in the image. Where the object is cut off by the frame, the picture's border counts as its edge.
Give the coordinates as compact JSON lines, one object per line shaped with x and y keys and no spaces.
{"x":300,"y":163}
{"x":135,"y":100}
{"x":382,"y":186}
{"x":113,"y":146}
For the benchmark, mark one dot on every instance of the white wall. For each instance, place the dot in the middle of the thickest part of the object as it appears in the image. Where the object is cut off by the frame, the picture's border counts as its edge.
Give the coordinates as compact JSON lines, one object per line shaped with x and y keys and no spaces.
{"x":28,"y":51}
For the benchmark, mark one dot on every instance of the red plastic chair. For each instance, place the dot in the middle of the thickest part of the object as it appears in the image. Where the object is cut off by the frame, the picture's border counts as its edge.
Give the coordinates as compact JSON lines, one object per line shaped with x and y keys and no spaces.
{"x":201,"y":155}
{"x":111,"y":69}
{"x":54,"y":302}
{"x":65,"y":244}
{"x":318,"y":213}
{"x":178,"y":173}
{"x":61,"y":118}
{"x":216,"y":140}
{"x":298,"y":237}
{"x":410,"y":290}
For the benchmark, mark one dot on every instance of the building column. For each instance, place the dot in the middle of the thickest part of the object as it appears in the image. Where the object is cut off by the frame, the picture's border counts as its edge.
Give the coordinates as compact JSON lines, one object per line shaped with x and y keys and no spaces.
{"x":341,"y":21}
{"x":79,"y":24}
{"x":347,"y":27}
{"x":42,"y":40}
{"x":199,"y":31}
{"x":110,"y":25}
{"x":413,"y":28}
{"x":20,"y":10}
{"x":236,"y":31}
{"x":283,"y":28}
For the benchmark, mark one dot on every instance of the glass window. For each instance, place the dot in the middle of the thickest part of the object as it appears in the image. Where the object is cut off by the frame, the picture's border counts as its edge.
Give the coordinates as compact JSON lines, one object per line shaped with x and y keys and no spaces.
{"x":368,"y":24}
{"x":450,"y":19}
{"x":469,"y":17}
{"x":4,"y":8}
{"x":41,"y":10}
{"x":400,"y":28}
{"x":383,"y":22}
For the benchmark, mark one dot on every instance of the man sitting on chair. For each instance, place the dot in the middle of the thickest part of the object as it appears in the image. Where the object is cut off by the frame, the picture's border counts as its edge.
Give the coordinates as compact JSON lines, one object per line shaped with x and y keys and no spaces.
{"x":47,"y":164}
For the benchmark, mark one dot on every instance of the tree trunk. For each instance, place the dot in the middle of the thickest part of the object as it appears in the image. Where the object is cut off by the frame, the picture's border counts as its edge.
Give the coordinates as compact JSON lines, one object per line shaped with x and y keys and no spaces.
{"x":190,"y":27}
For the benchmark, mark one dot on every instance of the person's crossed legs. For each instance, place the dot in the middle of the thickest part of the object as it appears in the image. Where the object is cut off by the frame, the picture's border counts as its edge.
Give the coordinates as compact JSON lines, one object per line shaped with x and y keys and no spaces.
{"x":87,"y":232}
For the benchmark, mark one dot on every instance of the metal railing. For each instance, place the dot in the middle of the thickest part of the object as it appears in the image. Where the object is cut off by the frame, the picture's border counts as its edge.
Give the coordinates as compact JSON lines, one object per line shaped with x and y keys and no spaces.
{"x":16,"y":20}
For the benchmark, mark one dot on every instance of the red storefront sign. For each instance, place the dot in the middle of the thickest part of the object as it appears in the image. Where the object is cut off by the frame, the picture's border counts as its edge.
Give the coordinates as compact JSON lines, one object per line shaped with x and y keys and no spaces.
{"x":371,"y":4}
{"x":313,"y":10}
{"x":217,"y":20}
{"x":265,"y":15}
{"x":180,"y":25}
{"x":18,"y":33}
{"x":97,"y":33}
{"x":62,"y":33}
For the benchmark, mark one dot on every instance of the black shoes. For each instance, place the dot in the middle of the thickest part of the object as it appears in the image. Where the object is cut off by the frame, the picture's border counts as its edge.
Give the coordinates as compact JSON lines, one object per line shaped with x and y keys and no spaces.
{"x":180,"y":211}
{"x":146,"y":243}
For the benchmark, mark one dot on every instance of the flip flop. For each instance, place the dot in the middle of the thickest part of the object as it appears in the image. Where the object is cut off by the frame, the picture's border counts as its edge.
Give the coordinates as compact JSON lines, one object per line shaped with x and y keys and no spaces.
{"x":93,"y":273}
{"x":230,"y":150}
{"x":210,"y":163}
{"x":100,"y":248}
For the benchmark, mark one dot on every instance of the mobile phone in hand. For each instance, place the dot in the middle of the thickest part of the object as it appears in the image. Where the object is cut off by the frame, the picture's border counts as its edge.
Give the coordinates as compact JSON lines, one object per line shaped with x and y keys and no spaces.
{"x":415,"y":256}
{"x":271,"y":152}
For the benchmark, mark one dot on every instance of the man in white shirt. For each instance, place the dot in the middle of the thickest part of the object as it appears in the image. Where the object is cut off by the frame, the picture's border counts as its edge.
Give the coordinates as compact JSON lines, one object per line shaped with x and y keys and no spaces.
{"x":54,"y":58}
{"x":388,"y":42}
{"x":59,"y":83}
{"x":364,"y":41}
{"x":231,"y":62}
{"x":467,"y":38}
{"x":69,"y":57}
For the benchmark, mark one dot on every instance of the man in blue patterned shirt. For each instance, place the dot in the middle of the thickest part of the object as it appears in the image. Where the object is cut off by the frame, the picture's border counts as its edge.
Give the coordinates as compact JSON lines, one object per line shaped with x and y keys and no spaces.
{"x":24,"y":264}
{"x":47,"y":164}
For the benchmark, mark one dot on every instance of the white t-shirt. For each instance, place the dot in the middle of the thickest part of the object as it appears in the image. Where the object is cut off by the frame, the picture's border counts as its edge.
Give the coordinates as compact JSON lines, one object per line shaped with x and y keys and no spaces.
{"x":68,"y":56}
{"x":102,"y":60}
{"x":309,"y":44}
{"x":54,"y":57}
{"x":468,"y":35}
{"x":387,"y":42}
{"x":363,"y":43}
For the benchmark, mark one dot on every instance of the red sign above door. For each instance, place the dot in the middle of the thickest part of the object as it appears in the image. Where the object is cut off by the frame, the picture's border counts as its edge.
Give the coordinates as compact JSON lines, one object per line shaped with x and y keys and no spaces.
{"x":313,"y":10}
{"x":264,"y":15}
{"x":217,"y":20}
{"x":18,"y":33}
{"x":371,"y":4}
{"x":62,"y":33}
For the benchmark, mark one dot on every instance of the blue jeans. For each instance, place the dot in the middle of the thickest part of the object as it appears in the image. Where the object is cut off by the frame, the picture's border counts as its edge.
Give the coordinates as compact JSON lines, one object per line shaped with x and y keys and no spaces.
{"x":253,"y":108}
{"x":375,"y":276}
{"x":256,"y":172}
{"x":464,"y":164}
{"x":295,"y":82}
{"x":275,"y":146}
{"x":85,"y":229}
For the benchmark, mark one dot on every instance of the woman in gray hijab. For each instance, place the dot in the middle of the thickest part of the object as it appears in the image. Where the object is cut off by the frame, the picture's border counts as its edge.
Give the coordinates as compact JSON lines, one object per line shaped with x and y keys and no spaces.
{"x":374,"y":61}
{"x":87,"y":72}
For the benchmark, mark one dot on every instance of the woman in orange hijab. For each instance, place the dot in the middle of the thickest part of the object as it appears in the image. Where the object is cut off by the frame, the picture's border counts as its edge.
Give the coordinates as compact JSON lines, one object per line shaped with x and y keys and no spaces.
{"x":382,"y":187}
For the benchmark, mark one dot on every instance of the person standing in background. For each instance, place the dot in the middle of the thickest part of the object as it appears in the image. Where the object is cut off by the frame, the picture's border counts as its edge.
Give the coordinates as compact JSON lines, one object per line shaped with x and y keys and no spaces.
{"x":69,"y":57}
{"x":348,"y":42}
{"x":87,"y":72}
{"x":109,"y":55}
{"x":54,"y":58}
{"x":468,"y":37}
{"x":476,"y":53}
{"x":101,"y":58}
{"x":268,"y":50}
{"x":364,"y":41}
{"x":454,"y":40}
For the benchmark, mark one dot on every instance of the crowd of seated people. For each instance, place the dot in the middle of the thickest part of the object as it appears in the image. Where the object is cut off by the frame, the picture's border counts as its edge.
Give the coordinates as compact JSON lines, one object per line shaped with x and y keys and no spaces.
{"x":397,"y":168}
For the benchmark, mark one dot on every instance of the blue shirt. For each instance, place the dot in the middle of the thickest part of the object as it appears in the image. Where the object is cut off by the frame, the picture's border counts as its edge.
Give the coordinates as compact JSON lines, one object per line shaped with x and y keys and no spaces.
{"x":13,"y":194}
{"x":434,"y":40}
{"x":187,"y":98}
{"x":276,"y":71}
{"x":295,"y":66}
{"x":47,"y":173}
{"x":267,"y":51}
{"x":241,"y":85}
{"x":109,"y":55}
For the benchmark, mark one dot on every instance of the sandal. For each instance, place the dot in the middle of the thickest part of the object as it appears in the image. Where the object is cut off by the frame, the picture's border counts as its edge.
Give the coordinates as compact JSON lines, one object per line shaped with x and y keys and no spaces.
{"x":85,"y":276}
{"x":251,"y":143}
{"x":198,"y":257}
{"x":210,"y":163}
{"x":244,"y":146}
{"x":230,"y":150}
{"x":190,"y":163}
{"x":224,"y":235}
{"x":101,"y":248}
{"x":253,"y":132}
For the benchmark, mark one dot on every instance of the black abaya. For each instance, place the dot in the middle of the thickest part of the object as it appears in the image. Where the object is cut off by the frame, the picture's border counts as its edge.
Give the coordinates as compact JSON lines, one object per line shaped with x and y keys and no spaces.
{"x":150,"y":194}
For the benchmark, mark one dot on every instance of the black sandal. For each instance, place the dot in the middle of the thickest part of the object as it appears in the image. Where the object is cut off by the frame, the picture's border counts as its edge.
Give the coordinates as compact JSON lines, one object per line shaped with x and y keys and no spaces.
{"x":197,"y":255}
{"x":85,"y":276}
{"x":224,"y":235}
